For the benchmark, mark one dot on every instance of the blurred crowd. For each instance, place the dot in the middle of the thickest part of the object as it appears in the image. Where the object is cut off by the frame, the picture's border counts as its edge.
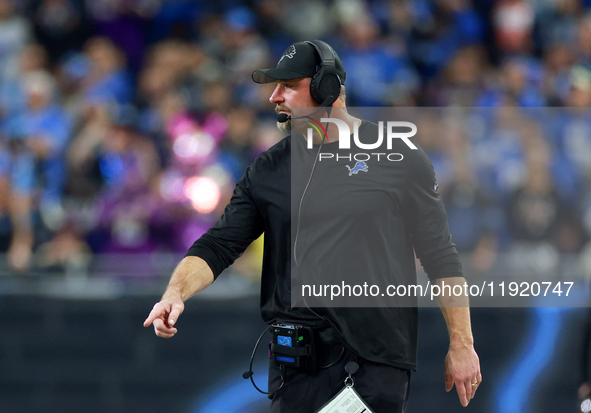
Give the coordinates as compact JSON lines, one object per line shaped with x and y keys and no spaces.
{"x":124,"y":124}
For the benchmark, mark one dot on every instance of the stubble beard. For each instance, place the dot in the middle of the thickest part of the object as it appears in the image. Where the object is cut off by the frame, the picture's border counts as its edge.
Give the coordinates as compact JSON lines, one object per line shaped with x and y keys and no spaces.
{"x":284,"y":126}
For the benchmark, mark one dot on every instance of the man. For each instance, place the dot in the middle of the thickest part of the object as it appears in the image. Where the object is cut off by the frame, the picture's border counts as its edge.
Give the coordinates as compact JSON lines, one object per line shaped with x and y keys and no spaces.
{"x":381,"y":340}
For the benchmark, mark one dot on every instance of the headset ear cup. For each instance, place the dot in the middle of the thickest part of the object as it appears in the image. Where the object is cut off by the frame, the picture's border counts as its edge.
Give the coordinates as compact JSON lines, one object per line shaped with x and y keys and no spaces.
{"x":330,"y":86}
{"x":315,"y":90}
{"x":324,"y":85}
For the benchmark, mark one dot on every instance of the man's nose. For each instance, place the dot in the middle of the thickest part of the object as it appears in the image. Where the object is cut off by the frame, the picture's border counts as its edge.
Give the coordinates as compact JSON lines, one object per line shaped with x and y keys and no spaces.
{"x":277,"y":95}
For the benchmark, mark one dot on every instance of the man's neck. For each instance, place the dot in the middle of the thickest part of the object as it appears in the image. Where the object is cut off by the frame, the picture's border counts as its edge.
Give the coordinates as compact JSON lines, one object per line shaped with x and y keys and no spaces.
{"x":336,"y":112}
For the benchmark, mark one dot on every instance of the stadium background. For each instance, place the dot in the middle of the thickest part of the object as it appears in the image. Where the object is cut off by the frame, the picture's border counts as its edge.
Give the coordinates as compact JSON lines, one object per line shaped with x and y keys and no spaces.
{"x":125,"y":123}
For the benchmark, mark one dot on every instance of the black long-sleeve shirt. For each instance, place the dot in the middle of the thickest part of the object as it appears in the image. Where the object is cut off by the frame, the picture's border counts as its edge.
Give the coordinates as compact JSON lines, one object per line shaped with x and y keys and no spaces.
{"x":395,"y":206}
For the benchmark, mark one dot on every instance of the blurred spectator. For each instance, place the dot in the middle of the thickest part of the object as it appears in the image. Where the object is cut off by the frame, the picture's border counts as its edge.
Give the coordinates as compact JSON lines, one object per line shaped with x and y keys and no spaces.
{"x":557,"y":24}
{"x":106,"y":81}
{"x":234,"y":42}
{"x":439,"y":29}
{"x":13,"y":99}
{"x":583,"y":51}
{"x":123,"y":22}
{"x":35,"y":167}
{"x":519,"y":82}
{"x":536,"y":214}
{"x":237,"y":147}
{"x":398,"y":15}
{"x":180,"y":19}
{"x":15,"y":33}
{"x":513,"y":22}
{"x":572,"y":131}
{"x":579,"y":95}
{"x":59,"y":26}
{"x":471,"y":210}
{"x":129,"y":166}
{"x":244,"y":48}
{"x":461,"y":82}
{"x":85,"y":178}
{"x":270,"y":17}
{"x":377,"y":74}
{"x":170,"y":66}
{"x":535,"y":209}
{"x":307,"y":19}
{"x":557,"y":63}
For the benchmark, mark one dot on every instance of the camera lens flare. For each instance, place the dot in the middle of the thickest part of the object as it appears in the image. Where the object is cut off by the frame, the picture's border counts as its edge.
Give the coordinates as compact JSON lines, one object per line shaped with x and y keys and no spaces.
{"x":191,"y":146}
{"x":172,"y":186}
{"x":203,"y":193}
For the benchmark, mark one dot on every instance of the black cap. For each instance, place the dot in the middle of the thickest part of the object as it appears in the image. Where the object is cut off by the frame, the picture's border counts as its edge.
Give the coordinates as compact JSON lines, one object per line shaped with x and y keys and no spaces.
{"x":299,"y":60}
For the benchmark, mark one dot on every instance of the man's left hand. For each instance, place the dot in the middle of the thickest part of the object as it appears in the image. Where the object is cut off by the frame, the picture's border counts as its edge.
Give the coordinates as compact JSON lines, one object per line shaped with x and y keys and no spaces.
{"x":462,"y":368}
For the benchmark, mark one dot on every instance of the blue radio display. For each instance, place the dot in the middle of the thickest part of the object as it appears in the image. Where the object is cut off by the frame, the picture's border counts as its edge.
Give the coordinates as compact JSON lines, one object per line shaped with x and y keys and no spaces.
{"x":284,"y":341}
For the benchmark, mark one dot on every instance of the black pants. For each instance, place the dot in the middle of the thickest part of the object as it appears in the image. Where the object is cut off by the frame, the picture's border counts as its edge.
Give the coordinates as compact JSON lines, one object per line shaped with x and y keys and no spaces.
{"x":384,"y":388}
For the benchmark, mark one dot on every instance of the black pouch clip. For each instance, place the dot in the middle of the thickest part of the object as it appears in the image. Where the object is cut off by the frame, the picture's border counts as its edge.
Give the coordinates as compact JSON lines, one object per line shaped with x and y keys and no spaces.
{"x":293,"y":346}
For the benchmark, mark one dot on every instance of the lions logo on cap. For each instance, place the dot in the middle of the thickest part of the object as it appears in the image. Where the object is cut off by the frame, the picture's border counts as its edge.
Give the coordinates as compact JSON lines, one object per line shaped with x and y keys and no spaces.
{"x":290,"y":52}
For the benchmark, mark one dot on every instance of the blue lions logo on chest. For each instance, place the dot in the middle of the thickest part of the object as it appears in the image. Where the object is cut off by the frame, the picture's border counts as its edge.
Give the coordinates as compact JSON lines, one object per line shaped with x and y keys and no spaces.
{"x":359,"y":166}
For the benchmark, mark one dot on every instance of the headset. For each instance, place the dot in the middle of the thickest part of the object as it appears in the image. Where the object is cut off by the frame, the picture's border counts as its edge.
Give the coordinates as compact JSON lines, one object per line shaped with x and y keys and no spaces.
{"x":325,"y":86}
